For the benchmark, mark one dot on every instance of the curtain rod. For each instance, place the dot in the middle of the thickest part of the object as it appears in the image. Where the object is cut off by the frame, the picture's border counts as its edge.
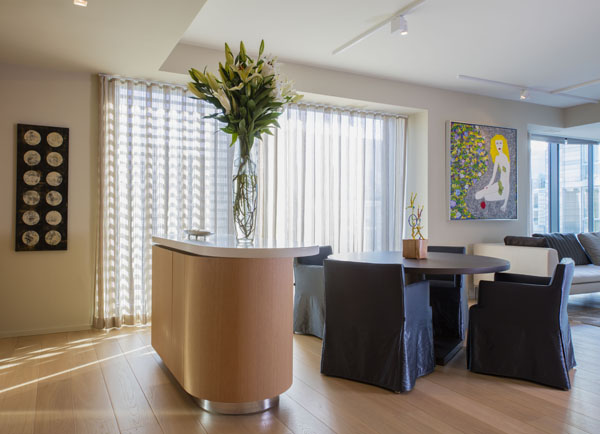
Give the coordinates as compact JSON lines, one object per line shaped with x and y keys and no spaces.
{"x":352,"y":109}
{"x":143,"y":81}
{"x":304,"y":104}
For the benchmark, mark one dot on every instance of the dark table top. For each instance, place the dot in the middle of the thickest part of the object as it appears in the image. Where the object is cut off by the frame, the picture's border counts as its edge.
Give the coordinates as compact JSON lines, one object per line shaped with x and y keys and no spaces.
{"x":436,"y":263}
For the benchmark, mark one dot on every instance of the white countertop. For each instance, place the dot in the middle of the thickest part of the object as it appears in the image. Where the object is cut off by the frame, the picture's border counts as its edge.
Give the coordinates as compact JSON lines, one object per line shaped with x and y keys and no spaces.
{"x":225,"y":246}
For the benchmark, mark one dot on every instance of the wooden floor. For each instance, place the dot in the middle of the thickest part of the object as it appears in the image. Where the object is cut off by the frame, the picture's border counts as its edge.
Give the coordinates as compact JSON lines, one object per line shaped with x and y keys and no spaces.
{"x":109,"y":382}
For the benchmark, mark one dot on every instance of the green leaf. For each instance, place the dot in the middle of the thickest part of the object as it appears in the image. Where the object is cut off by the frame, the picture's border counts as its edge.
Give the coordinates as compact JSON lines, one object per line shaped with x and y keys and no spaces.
{"x":234,"y":138}
{"x":262,"y":48}
{"x":242,"y":51}
{"x":228,"y":55}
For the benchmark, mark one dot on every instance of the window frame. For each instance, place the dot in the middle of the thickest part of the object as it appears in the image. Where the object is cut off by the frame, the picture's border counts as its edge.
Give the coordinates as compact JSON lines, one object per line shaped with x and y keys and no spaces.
{"x":554,"y":177}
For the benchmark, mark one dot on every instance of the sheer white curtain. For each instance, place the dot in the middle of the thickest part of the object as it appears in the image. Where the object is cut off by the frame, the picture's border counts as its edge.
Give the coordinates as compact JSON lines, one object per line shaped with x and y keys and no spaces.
{"x":334,"y":176}
{"x":329,"y":176}
{"x":163,"y":168}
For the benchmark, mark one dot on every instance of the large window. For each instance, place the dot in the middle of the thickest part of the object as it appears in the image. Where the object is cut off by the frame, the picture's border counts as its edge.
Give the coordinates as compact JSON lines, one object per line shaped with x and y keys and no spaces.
{"x":563,"y":174}
{"x":329,"y":176}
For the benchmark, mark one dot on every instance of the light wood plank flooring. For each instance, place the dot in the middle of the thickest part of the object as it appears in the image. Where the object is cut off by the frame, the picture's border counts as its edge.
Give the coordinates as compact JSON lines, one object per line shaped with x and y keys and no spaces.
{"x":110,"y":382}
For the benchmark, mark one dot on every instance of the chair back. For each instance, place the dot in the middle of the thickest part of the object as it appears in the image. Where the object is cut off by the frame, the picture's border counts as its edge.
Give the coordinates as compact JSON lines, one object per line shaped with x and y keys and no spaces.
{"x":458,"y":279}
{"x":324,"y":252}
{"x":358,"y":294}
{"x":561,"y":280}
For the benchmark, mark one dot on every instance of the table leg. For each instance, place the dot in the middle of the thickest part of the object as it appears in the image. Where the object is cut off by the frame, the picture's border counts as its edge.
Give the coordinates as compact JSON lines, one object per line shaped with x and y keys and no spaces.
{"x":449,"y":310}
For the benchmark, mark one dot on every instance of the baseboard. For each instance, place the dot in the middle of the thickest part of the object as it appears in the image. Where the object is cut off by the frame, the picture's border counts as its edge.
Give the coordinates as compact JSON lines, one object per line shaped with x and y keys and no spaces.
{"x":74,"y":328}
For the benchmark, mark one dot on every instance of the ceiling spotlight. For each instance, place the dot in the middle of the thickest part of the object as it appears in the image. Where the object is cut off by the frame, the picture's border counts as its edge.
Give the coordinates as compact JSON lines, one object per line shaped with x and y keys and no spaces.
{"x":397,"y":20}
{"x":399,"y":24}
{"x":524,"y":94}
{"x":80,"y":3}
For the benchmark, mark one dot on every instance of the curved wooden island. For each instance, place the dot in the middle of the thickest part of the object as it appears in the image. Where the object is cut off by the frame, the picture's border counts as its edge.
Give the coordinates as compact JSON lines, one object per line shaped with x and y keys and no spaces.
{"x":222,"y":319}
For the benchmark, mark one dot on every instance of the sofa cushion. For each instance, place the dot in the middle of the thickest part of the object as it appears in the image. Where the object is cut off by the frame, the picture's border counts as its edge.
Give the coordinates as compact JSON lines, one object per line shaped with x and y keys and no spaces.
{"x":591,"y":244}
{"x":586,"y":274}
{"x":567,"y":246}
{"x":511,"y":240}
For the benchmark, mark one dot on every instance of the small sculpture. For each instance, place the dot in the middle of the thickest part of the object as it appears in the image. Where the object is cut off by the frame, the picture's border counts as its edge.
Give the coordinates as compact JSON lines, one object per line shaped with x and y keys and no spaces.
{"x":414,"y":219}
{"x":415,"y":248}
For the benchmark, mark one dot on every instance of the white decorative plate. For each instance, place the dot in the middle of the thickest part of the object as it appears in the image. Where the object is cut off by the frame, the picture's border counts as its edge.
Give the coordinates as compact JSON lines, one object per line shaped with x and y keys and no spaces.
{"x":32,"y":138}
{"x":54,"y":179}
{"x":54,"y":139}
{"x":197,"y":233}
{"x":54,"y":159}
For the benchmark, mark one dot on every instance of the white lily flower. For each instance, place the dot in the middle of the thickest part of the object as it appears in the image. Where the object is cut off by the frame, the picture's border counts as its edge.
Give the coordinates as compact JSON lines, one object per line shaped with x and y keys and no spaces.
{"x":238,"y":87}
{"x":222,"y":97}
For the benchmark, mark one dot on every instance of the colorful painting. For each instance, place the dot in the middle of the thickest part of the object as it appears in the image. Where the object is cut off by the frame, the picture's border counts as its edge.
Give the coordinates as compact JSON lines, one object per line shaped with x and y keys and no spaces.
{"x":483,"y":172}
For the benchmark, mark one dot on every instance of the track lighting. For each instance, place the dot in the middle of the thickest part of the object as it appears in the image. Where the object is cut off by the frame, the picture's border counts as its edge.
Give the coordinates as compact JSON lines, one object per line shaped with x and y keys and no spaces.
{"x":399,"y":24}
{"x":397,"y":20}
{"x":80,"y":3}
{"x":526,"y":89}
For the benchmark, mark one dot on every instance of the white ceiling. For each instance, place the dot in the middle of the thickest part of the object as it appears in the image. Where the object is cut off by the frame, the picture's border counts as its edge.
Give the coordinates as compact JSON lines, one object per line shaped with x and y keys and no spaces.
{"x":127,"y":37}
{"x":547,"y":44}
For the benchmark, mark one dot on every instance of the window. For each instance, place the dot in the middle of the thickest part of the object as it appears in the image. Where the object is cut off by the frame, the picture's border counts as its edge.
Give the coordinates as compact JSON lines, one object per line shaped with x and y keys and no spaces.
{"x":540,"y":187}
{"x":563,"y":174}
{"x":329,"y":176}
{"x":573,"y":188}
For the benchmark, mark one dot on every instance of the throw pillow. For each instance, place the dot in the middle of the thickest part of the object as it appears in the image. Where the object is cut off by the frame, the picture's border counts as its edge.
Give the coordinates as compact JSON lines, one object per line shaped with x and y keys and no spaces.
{"x":511,"y":240}
{"x":567,"y":246}
{"x":591,"y":243}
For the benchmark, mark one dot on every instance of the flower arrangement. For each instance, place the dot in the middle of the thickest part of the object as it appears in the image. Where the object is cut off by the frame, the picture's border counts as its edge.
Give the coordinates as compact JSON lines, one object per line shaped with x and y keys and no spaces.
{"x":249,"y":97}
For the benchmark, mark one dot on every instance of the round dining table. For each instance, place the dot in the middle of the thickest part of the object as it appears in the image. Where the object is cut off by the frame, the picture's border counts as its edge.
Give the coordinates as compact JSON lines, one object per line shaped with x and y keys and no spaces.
{"x":436,"y":263}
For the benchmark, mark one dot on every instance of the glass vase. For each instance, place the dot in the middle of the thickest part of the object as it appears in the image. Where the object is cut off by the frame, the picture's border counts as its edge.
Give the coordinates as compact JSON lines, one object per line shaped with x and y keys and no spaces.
{"x":245,"y":191}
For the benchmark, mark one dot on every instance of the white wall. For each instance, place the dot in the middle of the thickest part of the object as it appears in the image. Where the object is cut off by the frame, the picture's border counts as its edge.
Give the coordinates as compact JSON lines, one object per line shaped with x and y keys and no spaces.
{"x":440,"y":106}
{"x":49,"y":291}
{"x":52,"y":291}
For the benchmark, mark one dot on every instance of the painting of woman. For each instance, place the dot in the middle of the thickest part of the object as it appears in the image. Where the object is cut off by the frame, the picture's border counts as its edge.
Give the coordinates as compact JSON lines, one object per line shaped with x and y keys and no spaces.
{"x":483,"y":172}
{"x":498,"y":190}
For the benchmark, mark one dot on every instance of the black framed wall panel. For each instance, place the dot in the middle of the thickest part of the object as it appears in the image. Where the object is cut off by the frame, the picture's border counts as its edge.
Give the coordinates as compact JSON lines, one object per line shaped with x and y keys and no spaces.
{"x":42,"y":188}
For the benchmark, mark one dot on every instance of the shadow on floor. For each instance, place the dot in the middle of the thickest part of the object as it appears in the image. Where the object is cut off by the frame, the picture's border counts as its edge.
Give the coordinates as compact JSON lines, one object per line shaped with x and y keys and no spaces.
{"x":585,"y":309}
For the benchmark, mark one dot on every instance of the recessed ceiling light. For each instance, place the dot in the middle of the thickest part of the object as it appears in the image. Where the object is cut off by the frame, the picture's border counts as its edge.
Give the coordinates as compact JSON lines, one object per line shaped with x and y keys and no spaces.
{"x":80,"y":3}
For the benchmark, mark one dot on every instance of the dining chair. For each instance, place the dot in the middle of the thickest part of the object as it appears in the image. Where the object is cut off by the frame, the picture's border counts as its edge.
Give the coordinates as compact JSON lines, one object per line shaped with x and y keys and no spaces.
{"x":309,"y":295}
{"x":378,"y":330}
{"x":520,"y":328}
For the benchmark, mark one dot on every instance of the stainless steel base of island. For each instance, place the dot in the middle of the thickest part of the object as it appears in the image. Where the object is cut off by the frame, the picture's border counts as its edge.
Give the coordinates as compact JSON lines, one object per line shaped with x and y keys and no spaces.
{"x":223,"y":327}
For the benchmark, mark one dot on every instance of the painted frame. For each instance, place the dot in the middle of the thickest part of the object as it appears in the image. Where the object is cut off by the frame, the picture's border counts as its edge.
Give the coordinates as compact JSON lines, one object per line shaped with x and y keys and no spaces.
{"x":482,"y":172}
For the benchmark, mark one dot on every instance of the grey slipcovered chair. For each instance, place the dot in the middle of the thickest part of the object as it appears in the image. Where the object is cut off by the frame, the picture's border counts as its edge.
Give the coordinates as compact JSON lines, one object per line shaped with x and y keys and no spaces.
{"x":449,"y":304}
{"x":377,"y":329}
{"x":309,"y":296}
{"x":520,"y":328}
